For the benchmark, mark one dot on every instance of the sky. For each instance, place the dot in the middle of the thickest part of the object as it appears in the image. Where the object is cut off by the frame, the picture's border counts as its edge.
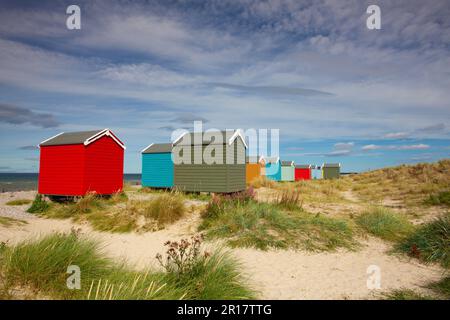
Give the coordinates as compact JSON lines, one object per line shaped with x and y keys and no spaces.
{"x":335,"y":90}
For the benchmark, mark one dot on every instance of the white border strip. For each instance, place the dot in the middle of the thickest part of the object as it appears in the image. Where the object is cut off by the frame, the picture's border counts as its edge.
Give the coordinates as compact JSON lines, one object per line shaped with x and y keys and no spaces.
{"x":105,"y":132}
{"x":50,"y":138}
{"x":142,"y":151}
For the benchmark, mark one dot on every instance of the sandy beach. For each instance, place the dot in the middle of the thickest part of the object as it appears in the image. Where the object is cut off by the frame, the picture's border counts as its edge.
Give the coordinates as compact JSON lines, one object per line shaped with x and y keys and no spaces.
{"x":275,"y":274}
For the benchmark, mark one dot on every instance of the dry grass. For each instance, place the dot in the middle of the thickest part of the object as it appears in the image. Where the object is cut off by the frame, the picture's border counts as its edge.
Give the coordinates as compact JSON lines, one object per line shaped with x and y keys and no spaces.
{"x":119,"y":214}
{"x":262,"y":181}
{"x":411,"y":184}
{"x":165,"y":209}
{"x":9,"y":222}
{"x":18,"y":202}
{"x":289,"y":199}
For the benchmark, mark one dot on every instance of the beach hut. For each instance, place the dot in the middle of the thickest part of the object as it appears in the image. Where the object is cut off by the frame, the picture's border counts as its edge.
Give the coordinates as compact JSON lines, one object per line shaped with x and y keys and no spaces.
{"x":254,"y":168}
{"x":157,"y":166}
{"x":75,"y":163}
{"x":331,"y":170}
{"x":287,"y":171}
{"x":303,"y":172}
{"x":210,"y":161}
{"x":273,"y":168}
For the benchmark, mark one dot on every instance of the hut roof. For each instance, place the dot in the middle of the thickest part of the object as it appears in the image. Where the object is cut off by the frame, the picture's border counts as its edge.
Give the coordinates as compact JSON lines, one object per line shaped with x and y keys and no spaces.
{"x":272,"y":159}
{"x":79,"y":137}
{"x":303,"y":166}
{"x":254,"y":159}
{"x":158,"y":148}
{"x":210,"y":137}
{"x":287,"y":163}
{"x":331,"y":165}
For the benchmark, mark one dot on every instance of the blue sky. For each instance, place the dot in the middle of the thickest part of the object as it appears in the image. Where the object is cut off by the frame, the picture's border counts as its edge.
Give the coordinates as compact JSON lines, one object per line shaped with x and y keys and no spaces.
{"x":337,"y":91}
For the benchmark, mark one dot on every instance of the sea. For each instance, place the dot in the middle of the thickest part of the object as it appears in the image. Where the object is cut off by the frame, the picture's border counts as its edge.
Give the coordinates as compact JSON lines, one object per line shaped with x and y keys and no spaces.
{"x":28,"y":181}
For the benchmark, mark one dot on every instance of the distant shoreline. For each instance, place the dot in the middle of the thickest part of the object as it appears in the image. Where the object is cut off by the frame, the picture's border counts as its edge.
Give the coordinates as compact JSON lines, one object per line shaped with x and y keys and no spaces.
{"x":21,"y":181}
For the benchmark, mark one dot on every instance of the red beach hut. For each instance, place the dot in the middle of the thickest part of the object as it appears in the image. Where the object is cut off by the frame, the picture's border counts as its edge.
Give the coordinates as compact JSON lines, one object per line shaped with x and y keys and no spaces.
{"x":75,"y":163}
{"x":303,"y":172}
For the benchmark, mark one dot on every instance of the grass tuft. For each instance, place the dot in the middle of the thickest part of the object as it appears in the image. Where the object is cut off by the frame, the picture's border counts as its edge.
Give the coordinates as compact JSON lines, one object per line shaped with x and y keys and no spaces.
{"x":39,"y":205}
{"x":166,"y":208}
{"x":289,"y":199}
{"x":262,"y":181}
{"x":41,"y":266}
{"x":8,"y":222}
{"x":442,"y":198}
{"x":430,"y":242}
{"x":384,"y":223}
{"x":406,"y":294}
{"x":264,"y":226}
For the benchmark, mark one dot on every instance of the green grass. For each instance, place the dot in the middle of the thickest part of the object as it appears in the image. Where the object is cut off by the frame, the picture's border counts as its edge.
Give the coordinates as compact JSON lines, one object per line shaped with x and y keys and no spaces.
{"x":406,"y":294}
{"x":264,"y":226}
{"x":442,"y":198}
{"x":439,"y":290}
{"x":8,"y":222}
{"x":41,"y":266}
{"x":442,"y":287}
{"x":18,"y":202}
{"x":384,"y":223}
{"x":166,"y":208}
{"x":118,"y":214}
{"x":430,"y":242}
{"x":39,"y":205}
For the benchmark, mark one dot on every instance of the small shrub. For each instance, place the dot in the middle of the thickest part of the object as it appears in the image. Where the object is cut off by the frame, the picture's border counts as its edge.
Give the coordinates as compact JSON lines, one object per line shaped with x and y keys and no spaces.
{"x":18,"y":202}
{"x":384,"y":223}
{"x":442,"y":198}
{"x":166,"y":208}
{"x":182,"y":256}
{"x":430,"y":242}
{"x":39,"y":205}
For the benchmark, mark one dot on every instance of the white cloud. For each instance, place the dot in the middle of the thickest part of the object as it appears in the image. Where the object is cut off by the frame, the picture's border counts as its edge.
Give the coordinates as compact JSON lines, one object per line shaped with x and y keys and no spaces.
{"x":396,"y":135}
{"x":370,"y":147}
{"x":420,"y":146}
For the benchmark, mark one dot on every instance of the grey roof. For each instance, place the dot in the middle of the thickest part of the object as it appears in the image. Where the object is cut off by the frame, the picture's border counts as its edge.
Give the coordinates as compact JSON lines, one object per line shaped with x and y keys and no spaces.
{"x":331,"y":165}
{"x":271,"y":159}
{"x":206,"y":138}
{"x":252,"y":159}
{"x":158,"y":148}
{"x":287,"y":163}
{"x":303,"y":166}
{"x":70,"y":138}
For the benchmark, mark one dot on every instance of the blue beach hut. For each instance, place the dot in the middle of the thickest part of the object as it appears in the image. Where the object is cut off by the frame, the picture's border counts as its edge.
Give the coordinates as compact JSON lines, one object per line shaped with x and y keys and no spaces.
{"x":157,"y":166}
{"x":273,"y":168}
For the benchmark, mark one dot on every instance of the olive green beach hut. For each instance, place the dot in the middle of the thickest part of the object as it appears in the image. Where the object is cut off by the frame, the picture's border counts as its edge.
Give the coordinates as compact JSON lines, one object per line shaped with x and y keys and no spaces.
{"x":287,"y":171}
{"x":331,"y":170}
{"x":210,"y":161}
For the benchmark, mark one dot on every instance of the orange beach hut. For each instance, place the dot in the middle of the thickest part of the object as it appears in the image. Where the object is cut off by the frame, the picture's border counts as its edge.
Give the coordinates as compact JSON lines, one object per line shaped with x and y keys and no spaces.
{"x":254,"y":168}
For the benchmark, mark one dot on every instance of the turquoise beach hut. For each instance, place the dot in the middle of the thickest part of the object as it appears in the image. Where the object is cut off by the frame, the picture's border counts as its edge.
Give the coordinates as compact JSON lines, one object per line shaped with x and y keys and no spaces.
{"x":287,"y":171}
{"x":157,"y":166}
{"x":273,"y":168}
